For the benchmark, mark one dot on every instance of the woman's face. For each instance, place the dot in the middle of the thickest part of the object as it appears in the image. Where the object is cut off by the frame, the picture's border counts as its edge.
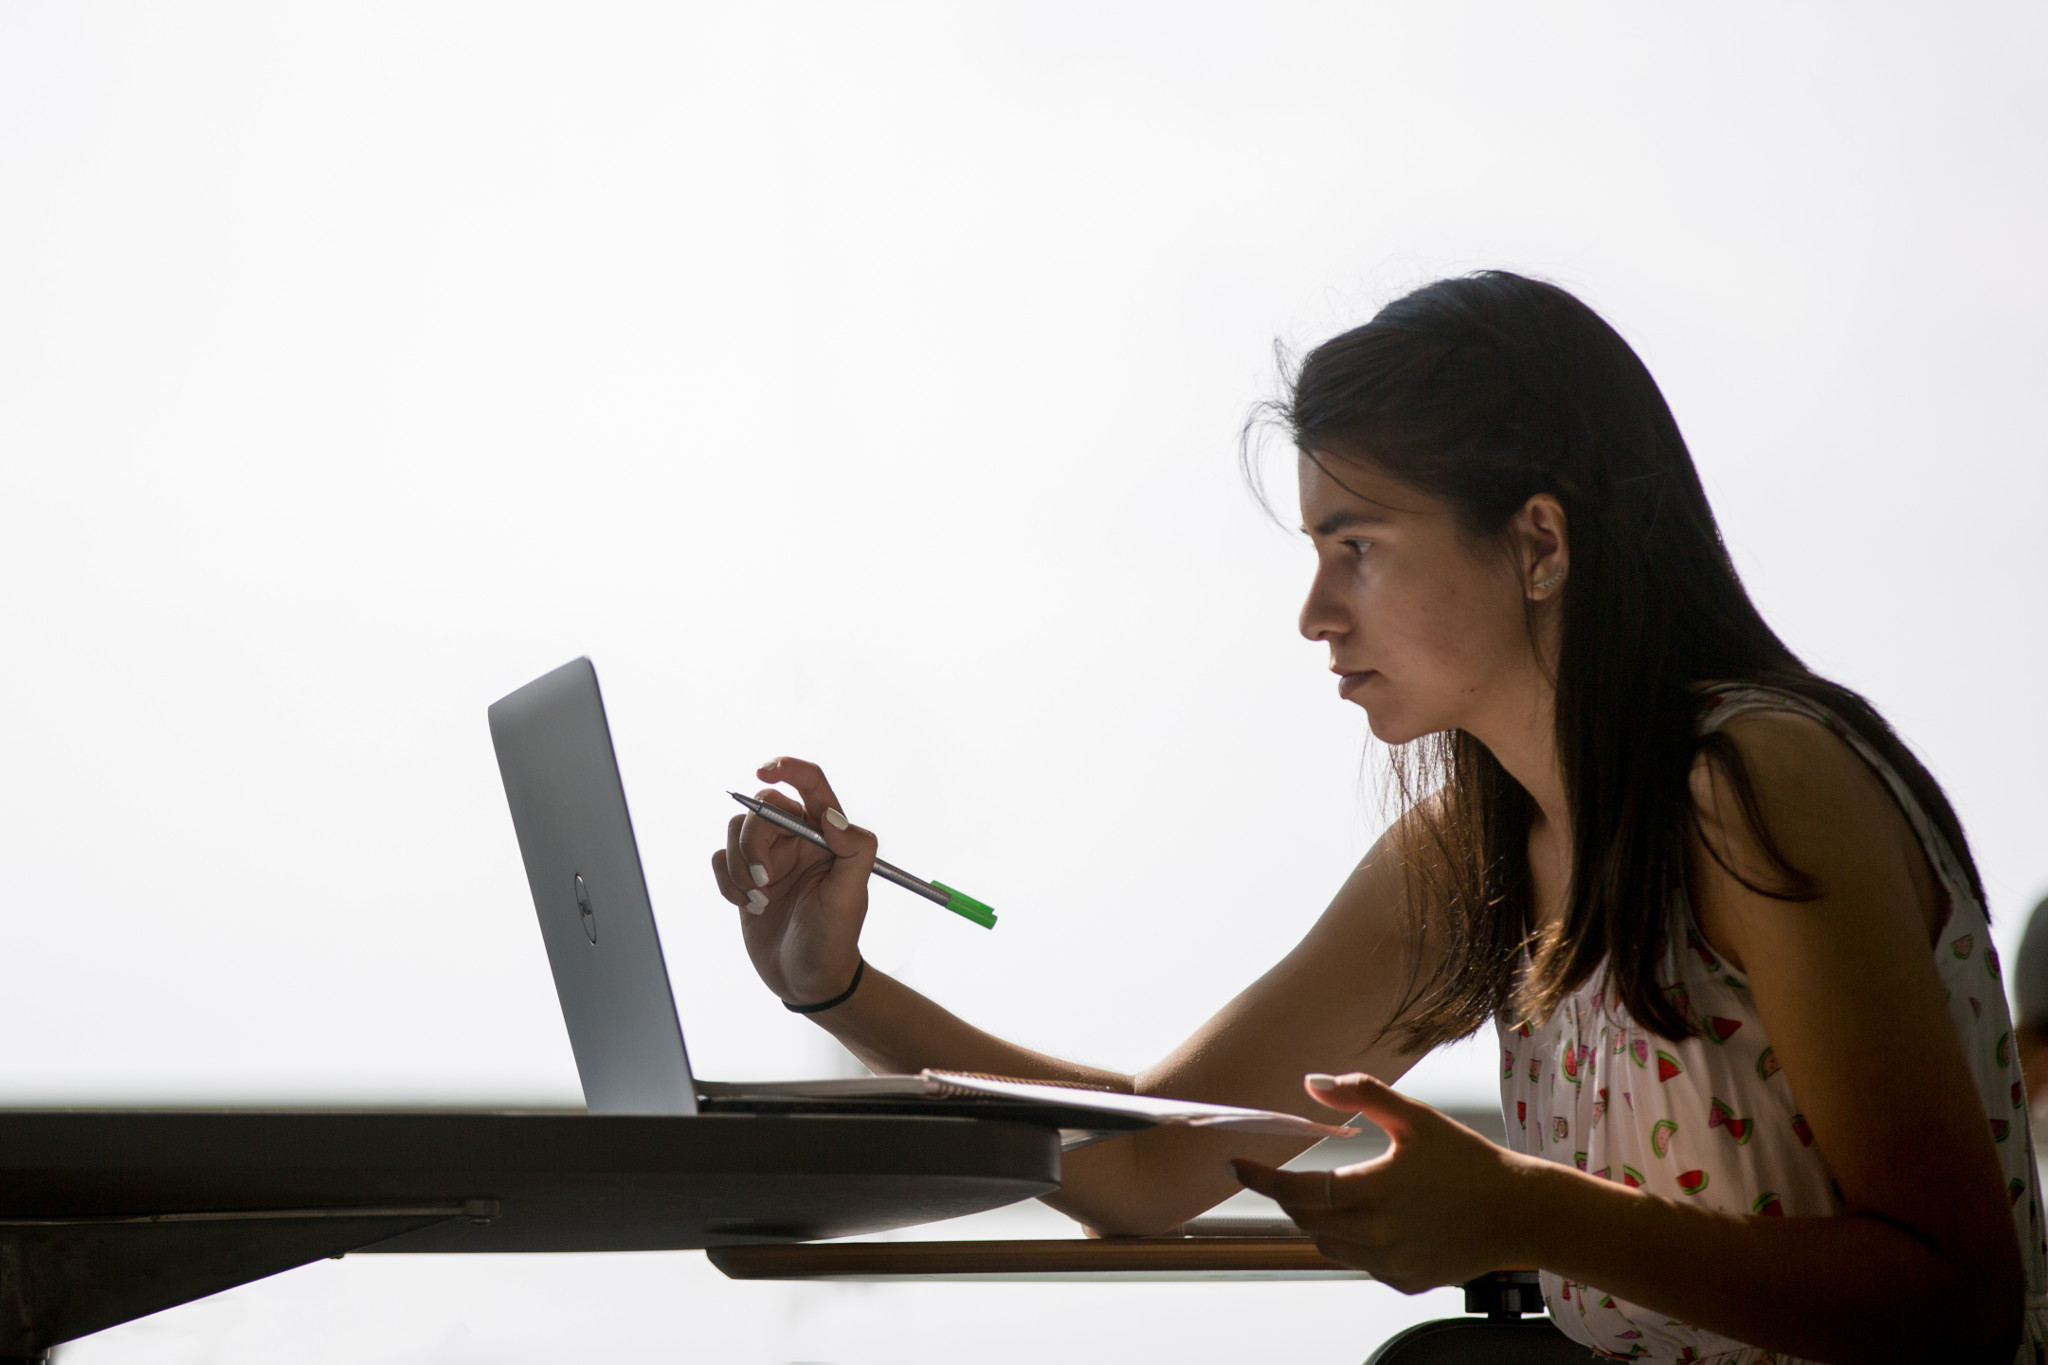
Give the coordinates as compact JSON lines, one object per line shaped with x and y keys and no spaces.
{"x":1427,"y":630}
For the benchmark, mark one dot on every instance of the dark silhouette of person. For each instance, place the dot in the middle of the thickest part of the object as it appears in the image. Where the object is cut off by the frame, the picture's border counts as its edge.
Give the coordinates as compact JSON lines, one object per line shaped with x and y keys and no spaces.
{"x":2030,"y":1009}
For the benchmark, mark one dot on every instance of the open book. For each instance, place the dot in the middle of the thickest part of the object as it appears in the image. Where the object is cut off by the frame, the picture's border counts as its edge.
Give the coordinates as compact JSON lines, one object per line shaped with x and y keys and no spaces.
{"x":1126,"y":1112}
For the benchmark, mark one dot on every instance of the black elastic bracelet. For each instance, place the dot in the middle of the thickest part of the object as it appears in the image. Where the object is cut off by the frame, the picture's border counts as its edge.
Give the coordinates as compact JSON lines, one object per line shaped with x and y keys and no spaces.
{"x":859,"y":970}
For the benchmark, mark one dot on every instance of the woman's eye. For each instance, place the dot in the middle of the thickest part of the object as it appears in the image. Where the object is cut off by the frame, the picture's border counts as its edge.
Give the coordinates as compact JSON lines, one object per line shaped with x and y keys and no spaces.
{"x":1357,"y":547}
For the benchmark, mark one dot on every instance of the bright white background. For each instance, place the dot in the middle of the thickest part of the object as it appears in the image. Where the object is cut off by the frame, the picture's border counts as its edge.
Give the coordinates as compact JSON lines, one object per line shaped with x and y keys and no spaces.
{"x":863,"y":382}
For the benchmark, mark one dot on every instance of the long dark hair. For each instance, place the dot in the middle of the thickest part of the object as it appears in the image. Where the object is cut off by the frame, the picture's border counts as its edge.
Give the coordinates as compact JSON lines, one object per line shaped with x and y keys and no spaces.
{"x":1482,"y":392}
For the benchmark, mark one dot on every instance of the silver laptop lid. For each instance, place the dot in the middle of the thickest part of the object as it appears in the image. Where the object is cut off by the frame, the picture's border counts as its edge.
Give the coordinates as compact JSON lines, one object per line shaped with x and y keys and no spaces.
{"x":569,"y":808}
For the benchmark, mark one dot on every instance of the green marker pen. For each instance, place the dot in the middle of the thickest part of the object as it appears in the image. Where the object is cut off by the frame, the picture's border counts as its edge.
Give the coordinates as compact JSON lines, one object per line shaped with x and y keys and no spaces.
{"x":959,"y":902}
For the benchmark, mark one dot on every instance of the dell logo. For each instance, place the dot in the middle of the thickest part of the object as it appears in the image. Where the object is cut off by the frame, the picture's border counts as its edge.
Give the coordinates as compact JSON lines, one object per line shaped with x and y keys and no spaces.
{"x":583,"y":904}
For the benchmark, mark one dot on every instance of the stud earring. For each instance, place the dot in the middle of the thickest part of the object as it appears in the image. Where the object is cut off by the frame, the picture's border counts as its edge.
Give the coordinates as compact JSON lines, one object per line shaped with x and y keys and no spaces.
{"x":1547,"y":584}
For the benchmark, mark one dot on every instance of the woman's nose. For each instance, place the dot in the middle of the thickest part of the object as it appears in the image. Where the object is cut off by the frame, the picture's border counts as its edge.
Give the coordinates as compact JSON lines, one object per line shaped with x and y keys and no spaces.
{"x":1322,"y":617}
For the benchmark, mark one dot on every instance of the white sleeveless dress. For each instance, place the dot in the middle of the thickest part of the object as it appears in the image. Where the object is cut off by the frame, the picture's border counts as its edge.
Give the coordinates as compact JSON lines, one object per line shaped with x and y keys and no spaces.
{"x":1713,"y":1119}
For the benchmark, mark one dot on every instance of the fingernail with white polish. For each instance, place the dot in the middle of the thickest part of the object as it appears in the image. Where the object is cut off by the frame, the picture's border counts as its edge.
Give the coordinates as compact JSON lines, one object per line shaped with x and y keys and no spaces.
{"x":756,"y":902}
{"x":769,"y":765}
{"x":1319,"y":1080}
{"x":834,"y":818}
{"x":759,"y":874}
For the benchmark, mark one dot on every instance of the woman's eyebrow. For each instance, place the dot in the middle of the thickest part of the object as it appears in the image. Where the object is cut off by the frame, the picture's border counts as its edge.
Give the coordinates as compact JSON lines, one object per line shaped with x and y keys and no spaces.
{"x":1343,"y":519}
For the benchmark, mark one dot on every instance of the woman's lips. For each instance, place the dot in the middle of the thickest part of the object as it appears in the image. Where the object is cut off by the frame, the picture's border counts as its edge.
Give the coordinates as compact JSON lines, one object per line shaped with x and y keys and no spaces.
{"x":1346,"y":682}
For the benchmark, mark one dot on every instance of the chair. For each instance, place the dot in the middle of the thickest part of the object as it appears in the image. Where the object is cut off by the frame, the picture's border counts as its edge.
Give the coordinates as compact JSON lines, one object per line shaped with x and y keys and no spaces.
{"x":1502,"y":1337}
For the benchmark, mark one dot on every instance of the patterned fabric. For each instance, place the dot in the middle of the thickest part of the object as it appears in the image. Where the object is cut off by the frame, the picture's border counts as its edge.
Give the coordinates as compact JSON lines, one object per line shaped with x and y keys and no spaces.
{"x":1713,"y":1119}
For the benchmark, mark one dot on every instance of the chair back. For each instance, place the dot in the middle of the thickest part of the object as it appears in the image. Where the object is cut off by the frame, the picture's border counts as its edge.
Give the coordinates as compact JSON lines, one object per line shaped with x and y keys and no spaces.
{"x":1502,"y":1337}
{"x":1476,"y":1341}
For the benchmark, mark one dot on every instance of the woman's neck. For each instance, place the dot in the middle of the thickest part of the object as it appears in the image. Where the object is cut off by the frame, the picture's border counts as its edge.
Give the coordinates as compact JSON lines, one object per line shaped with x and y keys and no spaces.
{"x":1524,"y":742}
{"x":1528,"y":752}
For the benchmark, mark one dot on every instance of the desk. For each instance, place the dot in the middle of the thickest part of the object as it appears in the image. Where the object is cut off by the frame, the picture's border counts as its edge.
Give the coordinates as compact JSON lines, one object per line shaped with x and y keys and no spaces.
{"x":108,"y":1215}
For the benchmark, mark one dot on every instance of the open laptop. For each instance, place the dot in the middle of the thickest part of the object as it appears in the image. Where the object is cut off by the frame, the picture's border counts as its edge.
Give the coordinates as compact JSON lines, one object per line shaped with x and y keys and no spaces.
{"x":569,"y":808}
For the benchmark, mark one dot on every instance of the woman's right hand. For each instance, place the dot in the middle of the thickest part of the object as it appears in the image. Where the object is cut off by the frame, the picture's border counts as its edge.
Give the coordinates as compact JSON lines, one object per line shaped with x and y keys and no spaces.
{"x":801,"y":907}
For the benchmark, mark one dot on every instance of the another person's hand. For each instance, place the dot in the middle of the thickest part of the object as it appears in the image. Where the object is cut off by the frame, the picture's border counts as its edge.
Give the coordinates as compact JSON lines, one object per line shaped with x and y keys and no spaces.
{"x":1432,"y":1210}
{"x":801,"y":907}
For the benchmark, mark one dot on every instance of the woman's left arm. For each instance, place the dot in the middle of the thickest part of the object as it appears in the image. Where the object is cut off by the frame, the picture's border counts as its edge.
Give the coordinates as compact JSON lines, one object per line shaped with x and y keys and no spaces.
{"x":1922,"y":1263}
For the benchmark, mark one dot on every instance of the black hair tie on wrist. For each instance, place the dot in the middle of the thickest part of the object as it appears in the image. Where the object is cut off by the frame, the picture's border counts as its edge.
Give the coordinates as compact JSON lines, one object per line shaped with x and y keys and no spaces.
{"x":859,"y":970}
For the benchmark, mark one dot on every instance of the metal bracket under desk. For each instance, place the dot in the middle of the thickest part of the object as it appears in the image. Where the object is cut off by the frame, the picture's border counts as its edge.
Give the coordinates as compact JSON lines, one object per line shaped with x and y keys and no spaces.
{"x":62,"y":1276}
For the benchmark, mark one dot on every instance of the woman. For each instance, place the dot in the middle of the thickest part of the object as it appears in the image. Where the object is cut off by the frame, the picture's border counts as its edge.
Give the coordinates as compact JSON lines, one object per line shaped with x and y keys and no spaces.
{"x":1756,"y":1066}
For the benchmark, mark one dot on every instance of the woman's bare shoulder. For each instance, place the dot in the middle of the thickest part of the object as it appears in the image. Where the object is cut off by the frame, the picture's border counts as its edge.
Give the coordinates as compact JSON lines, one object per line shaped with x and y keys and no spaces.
{"x":1820,"y":821}
{"x":1406,"y":859}
{"x":1808,"y":783}
{"x":1388,"y":893}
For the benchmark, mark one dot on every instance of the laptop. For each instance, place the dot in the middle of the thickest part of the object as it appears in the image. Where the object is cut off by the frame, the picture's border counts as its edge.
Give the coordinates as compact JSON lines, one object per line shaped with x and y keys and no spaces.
{"x":568,"y":805}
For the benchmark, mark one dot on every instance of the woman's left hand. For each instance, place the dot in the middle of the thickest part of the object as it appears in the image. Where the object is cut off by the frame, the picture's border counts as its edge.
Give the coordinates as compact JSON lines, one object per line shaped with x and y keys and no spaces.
{"x":1438,"y":1207}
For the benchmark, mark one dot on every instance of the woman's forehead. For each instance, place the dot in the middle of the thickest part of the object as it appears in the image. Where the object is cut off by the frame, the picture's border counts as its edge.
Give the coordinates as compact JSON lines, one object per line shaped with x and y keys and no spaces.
{"x":1348,"y":491}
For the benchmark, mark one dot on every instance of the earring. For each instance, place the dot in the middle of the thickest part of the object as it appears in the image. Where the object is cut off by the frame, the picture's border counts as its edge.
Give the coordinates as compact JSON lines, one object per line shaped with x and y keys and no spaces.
{"x":1547,"y":584}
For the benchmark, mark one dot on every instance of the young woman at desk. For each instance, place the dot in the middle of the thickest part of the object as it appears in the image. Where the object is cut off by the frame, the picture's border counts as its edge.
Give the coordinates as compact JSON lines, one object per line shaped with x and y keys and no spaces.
{"x":1756,"y":1062}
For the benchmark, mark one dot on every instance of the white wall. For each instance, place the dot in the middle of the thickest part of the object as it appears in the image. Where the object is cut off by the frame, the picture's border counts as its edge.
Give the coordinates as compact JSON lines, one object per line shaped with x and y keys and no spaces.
{"x":863,"y":382}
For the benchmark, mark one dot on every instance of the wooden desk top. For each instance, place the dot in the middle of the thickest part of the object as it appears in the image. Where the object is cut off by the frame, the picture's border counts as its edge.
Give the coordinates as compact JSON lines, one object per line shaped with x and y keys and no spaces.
{"x":1066,"y":1259}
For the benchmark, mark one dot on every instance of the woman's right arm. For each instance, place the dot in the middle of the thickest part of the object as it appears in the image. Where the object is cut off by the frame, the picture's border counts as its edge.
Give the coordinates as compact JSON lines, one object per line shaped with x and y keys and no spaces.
{"x":1321,"y":1008}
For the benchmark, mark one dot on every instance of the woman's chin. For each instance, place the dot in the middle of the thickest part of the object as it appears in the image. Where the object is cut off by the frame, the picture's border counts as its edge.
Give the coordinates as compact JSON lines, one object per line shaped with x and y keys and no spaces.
{"x":1387,"y":727}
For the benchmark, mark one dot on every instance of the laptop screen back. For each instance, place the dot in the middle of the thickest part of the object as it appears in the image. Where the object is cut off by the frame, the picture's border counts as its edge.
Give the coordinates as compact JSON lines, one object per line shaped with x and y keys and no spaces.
{"x":569,"y":809}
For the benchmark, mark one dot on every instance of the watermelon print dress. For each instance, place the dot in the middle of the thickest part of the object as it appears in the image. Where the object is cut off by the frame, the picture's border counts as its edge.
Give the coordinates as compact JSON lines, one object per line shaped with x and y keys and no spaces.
{"x":1713,"y":1118}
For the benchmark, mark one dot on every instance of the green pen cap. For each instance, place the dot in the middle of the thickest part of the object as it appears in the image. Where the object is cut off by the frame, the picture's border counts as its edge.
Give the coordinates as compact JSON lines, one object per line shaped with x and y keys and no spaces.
{"x":966,"y":906}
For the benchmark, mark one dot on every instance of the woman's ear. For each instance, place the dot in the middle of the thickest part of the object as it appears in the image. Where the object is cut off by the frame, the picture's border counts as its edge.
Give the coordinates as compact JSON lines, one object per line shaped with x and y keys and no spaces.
{"x":1542,"y":547}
